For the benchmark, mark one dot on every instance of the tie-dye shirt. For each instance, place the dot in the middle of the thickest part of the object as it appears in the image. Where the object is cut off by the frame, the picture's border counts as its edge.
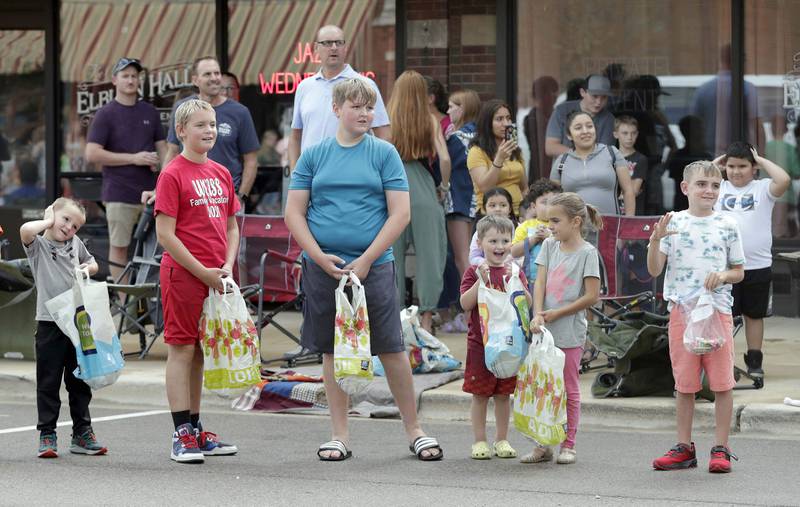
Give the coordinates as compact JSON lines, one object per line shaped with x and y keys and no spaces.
{"x":702,"y":245}
{"x":565,"y":274}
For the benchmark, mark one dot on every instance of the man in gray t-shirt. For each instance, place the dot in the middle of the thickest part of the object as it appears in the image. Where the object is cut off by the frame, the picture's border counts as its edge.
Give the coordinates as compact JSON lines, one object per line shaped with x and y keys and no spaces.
{"x":565,"y":274}
{"x":594,"y":100}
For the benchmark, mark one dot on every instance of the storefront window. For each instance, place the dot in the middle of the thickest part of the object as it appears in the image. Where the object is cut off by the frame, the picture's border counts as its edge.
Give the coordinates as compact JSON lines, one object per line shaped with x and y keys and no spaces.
{"x":22,"y":123}
{"x":271,"y":49}
{"x":772,"y":72}
{"x":165,"y":36}
{"x":665,"y":59}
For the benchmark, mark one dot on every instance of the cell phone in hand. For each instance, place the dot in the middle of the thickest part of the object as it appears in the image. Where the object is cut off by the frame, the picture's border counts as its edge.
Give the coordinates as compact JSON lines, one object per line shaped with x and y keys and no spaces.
{"x":511,"y":132}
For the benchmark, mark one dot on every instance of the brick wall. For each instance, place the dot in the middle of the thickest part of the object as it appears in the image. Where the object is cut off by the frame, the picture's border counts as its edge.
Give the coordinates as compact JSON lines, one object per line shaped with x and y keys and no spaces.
{"x":463,"y":63}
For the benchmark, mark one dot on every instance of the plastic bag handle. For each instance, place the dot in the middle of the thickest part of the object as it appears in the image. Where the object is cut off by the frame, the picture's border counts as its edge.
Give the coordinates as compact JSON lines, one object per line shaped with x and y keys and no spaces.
{"x":82,"y":275}
{"x":546,"y":339}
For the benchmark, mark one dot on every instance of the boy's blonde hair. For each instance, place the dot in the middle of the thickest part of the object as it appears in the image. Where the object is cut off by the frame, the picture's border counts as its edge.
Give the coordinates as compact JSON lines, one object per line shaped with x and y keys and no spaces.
{"x":625,"y":120}
{"x":574,"y":206}
{"x":188,"y":108}
{"x":502,"y":225}
{"x":61,"y":202}
{"x":357,"y":90}
{"x":701,"y":167}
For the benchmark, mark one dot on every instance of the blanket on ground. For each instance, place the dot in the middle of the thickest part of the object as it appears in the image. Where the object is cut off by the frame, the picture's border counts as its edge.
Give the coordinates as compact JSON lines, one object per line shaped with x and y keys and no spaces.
{"x":301,"y":391}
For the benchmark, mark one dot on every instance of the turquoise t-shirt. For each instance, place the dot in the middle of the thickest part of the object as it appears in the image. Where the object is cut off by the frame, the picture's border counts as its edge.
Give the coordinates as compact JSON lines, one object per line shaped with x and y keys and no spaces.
{"x":347,"y":205}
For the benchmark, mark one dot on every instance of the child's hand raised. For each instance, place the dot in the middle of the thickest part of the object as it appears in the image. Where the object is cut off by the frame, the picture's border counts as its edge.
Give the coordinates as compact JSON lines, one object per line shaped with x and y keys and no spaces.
{"x":50,"y":216}
{"x":661,"y":228}
{"x":718,"y":162}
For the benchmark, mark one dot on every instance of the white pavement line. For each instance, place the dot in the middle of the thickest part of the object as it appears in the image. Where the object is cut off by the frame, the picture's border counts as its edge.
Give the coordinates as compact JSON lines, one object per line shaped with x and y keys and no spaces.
{"x":94,"y":420}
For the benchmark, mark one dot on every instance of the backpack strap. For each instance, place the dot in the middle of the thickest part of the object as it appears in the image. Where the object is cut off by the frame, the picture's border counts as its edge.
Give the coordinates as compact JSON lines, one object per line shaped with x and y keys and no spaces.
{"x":561,"y":163}
{"x":613,"y":157}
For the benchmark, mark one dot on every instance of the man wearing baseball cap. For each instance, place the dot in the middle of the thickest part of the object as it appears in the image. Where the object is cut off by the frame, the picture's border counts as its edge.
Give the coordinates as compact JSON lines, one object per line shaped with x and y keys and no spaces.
{"x":127,"y":139}
{"x":594,"y":101}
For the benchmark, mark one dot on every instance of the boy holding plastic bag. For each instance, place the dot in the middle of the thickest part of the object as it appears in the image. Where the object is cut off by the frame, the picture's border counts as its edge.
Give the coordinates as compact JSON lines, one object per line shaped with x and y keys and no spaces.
{"x":494,"y":238}
{"x":53,"y":257}
{"x":567,"y":283}
{"x":347,"y":203}
{"x":196,"y":224}
{"x":702,"y":250}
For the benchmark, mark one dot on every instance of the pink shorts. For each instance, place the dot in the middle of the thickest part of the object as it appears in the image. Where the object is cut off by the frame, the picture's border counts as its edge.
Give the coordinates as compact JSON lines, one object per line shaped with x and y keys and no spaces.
{"x":182,"y":297}
{"x":686,"y":367}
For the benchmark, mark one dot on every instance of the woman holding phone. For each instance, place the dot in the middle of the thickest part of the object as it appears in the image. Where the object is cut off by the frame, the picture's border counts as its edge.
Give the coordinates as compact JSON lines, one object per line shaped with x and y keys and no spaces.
{"x":494,"y":159}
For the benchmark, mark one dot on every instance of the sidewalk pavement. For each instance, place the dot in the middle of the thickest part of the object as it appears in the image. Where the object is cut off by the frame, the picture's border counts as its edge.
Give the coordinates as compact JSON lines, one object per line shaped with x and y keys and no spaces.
{"x":756,"y":412}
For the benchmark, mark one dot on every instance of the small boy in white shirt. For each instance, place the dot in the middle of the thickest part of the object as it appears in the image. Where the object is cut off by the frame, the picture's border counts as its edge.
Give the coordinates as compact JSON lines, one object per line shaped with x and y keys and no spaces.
{"x":750,"y":201}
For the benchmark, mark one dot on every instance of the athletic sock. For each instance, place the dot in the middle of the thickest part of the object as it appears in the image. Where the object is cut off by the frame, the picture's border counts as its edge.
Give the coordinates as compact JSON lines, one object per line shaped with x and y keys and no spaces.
{"x":180,"y":418}
{"x":196,"y":421}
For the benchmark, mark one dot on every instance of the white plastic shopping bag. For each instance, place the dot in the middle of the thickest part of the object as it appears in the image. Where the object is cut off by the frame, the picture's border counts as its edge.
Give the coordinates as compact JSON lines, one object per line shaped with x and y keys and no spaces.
{"x":229,"y":339}
{"x":352,"y":359}
{"x":83,"y":314}
{"x":505,"y":321}
{"x":540,"y":400}
{"x":705,"y":332}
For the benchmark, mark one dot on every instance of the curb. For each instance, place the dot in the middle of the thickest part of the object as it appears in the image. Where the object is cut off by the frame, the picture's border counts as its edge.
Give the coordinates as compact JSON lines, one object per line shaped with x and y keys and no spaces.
{"x":436,"y":405}
{"x":636,"y":413}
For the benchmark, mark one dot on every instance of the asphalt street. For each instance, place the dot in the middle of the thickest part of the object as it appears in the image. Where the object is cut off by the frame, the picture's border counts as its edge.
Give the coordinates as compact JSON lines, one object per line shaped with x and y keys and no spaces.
{"x":277,"y":465}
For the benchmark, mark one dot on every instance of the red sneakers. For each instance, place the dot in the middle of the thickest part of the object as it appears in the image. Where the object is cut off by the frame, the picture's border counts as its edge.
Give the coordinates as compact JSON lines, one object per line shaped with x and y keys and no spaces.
{"x":720,"y":462}
{"x":679,"y":457}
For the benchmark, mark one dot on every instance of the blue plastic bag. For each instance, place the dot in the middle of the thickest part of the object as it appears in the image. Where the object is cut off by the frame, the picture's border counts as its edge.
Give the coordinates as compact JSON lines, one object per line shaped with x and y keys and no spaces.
{"x":83,"y":314}
{"x":505,"y":325}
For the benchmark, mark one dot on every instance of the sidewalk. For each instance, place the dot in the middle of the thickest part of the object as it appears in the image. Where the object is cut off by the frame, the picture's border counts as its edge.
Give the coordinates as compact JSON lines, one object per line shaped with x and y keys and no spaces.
{"x":756,"y":411}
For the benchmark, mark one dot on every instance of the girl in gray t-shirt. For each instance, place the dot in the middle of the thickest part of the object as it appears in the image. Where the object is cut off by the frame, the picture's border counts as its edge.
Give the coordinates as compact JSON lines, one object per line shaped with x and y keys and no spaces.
{"x":567,"y":283}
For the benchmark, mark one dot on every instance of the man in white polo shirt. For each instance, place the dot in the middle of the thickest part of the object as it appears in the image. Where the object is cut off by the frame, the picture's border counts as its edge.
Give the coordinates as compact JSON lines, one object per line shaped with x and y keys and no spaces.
{"x":313,"y":118}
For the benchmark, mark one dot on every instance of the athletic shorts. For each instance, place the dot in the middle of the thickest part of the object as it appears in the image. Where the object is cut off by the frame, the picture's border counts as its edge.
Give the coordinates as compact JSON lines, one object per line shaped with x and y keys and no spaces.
{"x":122,"y":217}
{"x":319,"y":309}
{"x":182,"y":297}
{"x":686,"y":367}
{"x":479,"y":380}
{"x":751,"y":296}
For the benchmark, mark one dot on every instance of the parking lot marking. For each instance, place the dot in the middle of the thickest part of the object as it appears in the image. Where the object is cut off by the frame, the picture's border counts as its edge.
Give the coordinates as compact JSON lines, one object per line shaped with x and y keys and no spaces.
{"x":94,"y":420}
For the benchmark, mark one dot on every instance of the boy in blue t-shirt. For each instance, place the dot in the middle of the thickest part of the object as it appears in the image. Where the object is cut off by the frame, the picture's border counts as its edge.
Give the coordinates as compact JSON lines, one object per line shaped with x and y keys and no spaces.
{"x":347,"y":203}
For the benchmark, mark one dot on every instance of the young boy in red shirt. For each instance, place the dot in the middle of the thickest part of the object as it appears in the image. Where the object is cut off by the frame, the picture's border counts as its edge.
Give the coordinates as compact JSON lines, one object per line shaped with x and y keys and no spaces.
{"x":195,"y":223}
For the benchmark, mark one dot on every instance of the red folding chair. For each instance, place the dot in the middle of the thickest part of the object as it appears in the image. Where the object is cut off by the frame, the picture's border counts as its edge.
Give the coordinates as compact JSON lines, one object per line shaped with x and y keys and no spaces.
{"x":269,"y":271}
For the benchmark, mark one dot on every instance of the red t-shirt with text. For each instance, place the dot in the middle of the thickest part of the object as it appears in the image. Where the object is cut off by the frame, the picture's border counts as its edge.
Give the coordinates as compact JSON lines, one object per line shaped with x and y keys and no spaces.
{"x":497,"y":278}
{"x":201,"y":198}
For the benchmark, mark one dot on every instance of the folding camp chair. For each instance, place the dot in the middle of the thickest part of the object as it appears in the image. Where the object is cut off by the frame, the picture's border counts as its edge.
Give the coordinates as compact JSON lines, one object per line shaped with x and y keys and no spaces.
{"x":136,"y":294}
{"x":269,"y":263}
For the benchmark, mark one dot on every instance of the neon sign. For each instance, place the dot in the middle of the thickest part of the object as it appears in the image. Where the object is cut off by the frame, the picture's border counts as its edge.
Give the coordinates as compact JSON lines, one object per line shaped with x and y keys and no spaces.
{"x":285,"y":82}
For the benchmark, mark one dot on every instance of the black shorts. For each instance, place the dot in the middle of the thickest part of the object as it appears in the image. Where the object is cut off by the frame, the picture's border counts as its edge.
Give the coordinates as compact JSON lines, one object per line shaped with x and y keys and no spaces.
{"x":752,"y":296}
{"x":319,"y":309}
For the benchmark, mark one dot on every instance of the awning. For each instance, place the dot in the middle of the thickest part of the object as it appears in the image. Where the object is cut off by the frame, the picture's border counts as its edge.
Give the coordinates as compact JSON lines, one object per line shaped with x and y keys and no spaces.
{"x":263,"y":35}
{"x":95,"y":34}
{"x":21,"y":51}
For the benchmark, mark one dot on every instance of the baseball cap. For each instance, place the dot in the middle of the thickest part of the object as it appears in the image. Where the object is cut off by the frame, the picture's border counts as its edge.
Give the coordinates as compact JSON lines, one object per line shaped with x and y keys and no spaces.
{"x":125,"y":62}
{"x":598,"y":85}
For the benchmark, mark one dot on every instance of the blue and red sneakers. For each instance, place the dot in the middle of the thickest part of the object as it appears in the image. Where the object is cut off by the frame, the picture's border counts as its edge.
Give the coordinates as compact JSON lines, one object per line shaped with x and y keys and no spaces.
{"x":184,"y":445}
{"x":210,"y":445}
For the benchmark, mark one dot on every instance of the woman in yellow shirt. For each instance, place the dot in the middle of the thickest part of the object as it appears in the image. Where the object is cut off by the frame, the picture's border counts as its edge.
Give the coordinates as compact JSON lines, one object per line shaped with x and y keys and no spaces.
{"x":493,"y":160}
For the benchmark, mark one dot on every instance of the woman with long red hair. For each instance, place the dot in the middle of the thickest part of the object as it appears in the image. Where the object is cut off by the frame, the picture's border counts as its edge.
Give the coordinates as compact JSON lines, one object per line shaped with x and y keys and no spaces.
{"x":418,"y":138}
